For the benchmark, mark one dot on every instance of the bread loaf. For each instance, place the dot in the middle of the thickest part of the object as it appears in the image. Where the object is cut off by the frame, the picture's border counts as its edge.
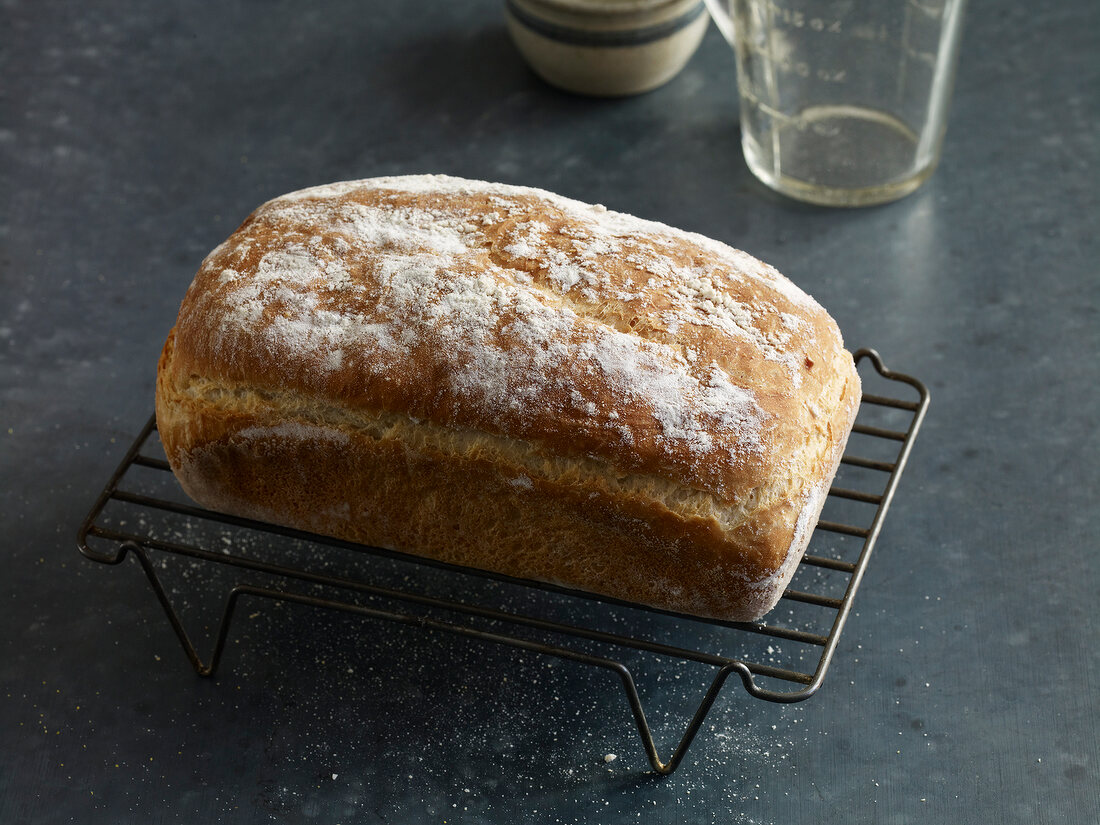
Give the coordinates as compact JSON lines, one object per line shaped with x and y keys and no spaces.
{"x":502,"y":378}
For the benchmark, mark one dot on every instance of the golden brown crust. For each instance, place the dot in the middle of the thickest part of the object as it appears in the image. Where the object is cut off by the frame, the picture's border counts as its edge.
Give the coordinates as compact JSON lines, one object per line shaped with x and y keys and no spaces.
{"x":591,"y":399}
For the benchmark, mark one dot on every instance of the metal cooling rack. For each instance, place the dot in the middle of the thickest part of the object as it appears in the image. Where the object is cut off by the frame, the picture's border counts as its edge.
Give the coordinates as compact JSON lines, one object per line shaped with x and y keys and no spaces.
{"x":782,"y":660}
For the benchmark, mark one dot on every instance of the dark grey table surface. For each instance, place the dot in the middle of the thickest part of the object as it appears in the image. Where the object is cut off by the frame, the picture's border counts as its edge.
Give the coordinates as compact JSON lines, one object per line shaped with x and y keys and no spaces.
{"x":135,"y":136}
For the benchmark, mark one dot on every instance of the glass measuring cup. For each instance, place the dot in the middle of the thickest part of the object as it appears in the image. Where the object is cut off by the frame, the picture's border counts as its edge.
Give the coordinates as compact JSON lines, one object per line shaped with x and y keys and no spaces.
{"x":843,"y":102}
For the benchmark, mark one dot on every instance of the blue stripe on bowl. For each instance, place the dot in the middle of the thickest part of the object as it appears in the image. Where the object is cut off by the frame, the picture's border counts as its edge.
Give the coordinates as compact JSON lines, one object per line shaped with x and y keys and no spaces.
{"x":621,"y":37}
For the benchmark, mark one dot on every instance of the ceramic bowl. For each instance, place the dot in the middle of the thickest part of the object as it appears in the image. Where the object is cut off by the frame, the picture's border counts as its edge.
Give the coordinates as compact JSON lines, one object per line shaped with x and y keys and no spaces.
{"x":606,"y":47}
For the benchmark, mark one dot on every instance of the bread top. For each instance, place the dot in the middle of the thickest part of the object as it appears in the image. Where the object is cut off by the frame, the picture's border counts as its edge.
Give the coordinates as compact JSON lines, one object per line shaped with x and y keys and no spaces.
{"x":519,"y":313}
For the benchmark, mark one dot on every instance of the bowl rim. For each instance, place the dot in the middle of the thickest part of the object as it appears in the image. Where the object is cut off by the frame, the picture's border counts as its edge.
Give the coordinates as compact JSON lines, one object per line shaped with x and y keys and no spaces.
{"x":604,"y":7}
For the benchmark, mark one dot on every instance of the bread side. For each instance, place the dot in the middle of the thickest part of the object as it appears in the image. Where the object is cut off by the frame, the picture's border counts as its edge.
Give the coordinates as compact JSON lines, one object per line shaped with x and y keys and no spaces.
{"x":503,"y":378}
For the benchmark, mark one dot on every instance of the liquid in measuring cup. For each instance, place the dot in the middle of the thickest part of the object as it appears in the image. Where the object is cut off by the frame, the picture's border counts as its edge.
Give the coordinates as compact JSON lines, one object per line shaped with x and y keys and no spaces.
{"x":845,"y":155}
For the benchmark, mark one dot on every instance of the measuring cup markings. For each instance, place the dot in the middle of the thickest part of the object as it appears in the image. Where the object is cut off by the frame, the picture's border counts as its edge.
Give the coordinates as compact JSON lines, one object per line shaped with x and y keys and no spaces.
{"x":804,"y":70}
{"x":799,"y":67}
{"x":799,"y":20}
{"x":829,"y":75}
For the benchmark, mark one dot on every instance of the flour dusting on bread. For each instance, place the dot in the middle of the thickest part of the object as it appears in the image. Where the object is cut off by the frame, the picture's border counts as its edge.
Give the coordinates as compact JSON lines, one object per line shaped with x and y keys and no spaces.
{"x":678,"y":387}
{"x":532,"y":303}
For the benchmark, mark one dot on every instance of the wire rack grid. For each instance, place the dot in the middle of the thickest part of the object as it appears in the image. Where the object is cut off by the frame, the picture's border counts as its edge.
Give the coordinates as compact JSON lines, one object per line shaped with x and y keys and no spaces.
{"x":142,"y":513}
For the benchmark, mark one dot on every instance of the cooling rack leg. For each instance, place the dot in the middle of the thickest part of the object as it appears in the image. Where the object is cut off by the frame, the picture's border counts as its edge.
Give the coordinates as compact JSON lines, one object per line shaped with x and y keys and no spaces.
{"x":173,"y":617}
{"x":629,"y":685}
{"x":646,"y":733}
